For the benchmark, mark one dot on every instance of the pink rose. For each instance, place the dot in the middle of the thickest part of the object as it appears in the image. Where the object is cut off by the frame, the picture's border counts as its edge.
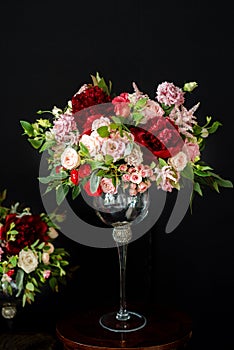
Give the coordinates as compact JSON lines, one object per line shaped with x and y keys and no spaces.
{"x":126,"y":177}
{"x":107,"y":186}
{"x":113,"y":148}
{"x":122,"y":109}
{"x":152,"y":109}
{"x":143,"y":186}
{"x":192,"y":150}
{"x":123,"y":167}
{"x":135,"y":178}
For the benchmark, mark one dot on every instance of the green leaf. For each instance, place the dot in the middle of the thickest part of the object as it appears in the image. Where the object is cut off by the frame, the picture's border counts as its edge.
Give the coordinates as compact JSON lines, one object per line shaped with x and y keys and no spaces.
{"x":61,"y":192}
{"x":94,"y":181}
{"x":95,"y":164}
{"x":75,"y":192}
{"x":215,"y":186}
{"x":108,"y":159}
{"x":197,"y":188}
{"x":113,"y":126}
{"x":162,"y":162}
{"x":141,"y":103}
{"x":24,"y":300}
{"x":41,"y":245}
{"x":117,"y":120}
{"x":53,"y":283}
{"x":13,"y":261}
{"x":101,"y":173}
{"x":103,"y":131}
{"x":202,"y":173}
{"x":222,"y":182}
{"x":35,"y":243}
{"x":187,"y":172}
{"x":137,"y":117}
{"x":214,"y":127}
{"x":34,"y":281}
{"x":28,"y":129}
{"x":47,"y":144}
{"x":84,"y":150}
{"x":19,"y":280}
{"x":167,"y":109}
{"x":30,"y":286}
{"x":35,"y":143}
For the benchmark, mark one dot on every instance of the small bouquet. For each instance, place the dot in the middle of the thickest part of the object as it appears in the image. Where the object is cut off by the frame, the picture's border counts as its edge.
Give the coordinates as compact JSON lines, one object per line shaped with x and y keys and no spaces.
{"x":100,"y":141}
{"x":29,"y":259}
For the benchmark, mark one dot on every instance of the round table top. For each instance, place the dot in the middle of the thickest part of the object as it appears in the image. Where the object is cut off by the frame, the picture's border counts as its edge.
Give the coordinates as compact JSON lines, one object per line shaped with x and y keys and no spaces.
{"x":165,"y":329}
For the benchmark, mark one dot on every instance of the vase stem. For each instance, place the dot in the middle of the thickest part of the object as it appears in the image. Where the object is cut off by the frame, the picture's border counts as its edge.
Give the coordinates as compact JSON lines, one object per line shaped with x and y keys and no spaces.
{"x":122,"y":235}
{"x":123,"y":314}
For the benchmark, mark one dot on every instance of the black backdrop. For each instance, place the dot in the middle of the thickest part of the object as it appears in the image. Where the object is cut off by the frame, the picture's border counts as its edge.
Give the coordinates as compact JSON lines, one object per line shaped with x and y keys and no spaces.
{"x":48,"y":51}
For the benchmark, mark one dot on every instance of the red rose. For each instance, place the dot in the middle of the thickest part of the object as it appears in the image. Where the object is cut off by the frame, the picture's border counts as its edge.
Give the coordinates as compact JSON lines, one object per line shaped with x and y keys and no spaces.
{"x":29,"y":227}
{"x":88,"y":191}
{"x":84,"y":170}
{"x":74,"y":176}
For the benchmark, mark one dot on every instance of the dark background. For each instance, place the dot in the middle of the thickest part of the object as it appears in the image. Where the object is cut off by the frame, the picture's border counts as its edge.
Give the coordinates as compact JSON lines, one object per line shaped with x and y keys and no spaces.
{"x":48,"y":51}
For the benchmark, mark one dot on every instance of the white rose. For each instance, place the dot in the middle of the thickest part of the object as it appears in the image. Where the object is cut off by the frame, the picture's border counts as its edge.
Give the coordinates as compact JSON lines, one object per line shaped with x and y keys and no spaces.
{"x":179,"y":161}
{"x":28,"y":260}
{"x":70,"y":159}
{"x":97,"y":123}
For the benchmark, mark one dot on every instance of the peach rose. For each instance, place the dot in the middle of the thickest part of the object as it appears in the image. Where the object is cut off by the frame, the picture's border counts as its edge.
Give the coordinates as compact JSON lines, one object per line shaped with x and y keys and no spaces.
{"x":70,"y":159}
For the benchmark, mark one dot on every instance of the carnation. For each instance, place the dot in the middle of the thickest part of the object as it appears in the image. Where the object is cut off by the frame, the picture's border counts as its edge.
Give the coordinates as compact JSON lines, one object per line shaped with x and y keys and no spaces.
{"x":169,"y":94}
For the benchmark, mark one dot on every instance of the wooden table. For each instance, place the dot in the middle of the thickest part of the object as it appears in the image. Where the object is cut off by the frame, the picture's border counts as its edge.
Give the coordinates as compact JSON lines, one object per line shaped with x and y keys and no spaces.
{"x":165,"y":329}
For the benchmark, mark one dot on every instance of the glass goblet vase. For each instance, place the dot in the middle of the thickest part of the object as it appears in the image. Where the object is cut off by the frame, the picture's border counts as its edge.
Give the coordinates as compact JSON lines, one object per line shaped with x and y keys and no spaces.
{"x":121,"y":211}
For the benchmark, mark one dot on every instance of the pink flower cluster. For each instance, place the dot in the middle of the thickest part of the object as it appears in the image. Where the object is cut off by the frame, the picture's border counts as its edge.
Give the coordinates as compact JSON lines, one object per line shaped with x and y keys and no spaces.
{"x":137,"y":179}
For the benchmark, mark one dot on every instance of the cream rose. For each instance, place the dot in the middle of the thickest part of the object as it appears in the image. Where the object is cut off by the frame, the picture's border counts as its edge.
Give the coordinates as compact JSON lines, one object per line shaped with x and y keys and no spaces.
{"x":92,"y":143}
{"x":28,"y":260}
{"x":45,"y":258}
{"x":52,"y":233}
{"x":70,"y":159}
{"x":179,"y":161}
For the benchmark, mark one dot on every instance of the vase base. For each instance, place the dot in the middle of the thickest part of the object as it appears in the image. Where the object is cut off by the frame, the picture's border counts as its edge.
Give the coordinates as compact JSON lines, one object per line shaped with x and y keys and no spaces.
{"x":134,"y":323}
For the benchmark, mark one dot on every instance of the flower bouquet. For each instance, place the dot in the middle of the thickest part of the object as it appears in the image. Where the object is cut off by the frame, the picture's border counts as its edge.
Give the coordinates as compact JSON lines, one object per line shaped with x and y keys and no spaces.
{"x":100,"y":141}
{"x":29,"y":259}
{"x":112,"y":148}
